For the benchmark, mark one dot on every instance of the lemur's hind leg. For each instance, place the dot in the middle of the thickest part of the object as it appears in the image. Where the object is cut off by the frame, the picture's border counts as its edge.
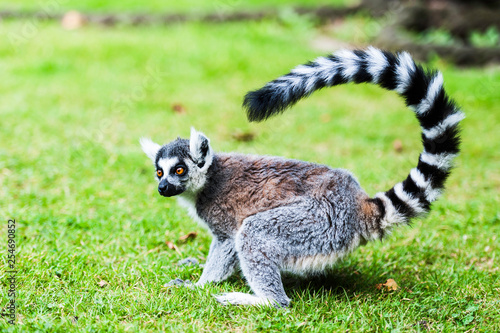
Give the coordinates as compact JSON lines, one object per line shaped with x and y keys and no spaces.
{"x":260,"y":244}
{"x":259,"y":262}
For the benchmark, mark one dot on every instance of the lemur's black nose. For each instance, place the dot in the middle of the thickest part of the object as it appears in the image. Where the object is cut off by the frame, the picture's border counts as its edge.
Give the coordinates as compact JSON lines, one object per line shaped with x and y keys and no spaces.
{"x":162,"y":188}
{"x":168,"y":190}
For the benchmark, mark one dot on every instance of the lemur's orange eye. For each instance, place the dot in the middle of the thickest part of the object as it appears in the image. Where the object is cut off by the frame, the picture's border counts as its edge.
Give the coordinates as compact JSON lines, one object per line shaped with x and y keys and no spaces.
{"x":159,"y":173}
{"x":179,"y":171}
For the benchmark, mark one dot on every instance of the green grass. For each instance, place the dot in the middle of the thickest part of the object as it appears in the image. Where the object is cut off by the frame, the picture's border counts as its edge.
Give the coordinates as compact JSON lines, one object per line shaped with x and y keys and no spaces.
{"x":72,"y":174}
{"x":162,"y":6}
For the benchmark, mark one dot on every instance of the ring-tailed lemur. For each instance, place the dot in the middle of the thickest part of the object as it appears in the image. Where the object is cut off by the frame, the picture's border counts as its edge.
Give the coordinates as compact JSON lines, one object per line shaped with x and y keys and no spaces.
{"x":269,"y":214}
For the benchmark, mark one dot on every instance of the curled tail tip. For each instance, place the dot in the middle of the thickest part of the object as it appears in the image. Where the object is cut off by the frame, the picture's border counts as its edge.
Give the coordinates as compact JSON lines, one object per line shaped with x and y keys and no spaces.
{"x":254,"y":107}
{"x":261,"y":104}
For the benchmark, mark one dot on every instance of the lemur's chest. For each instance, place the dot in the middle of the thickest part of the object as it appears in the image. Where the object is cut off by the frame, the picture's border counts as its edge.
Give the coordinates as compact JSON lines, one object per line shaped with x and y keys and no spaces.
{"x":219,"y":219}
{"x":189,"y":203}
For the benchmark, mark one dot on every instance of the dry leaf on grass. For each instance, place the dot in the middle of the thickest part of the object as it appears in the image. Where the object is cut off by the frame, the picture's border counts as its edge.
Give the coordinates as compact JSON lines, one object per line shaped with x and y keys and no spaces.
{"x":171,"y":245}
{"x":243,"y":136}
{"x":178,"y":108}
{"x":189,"y":235}
{"x":102,"y":283}
{"x":389,"y":285}
{"x":397,"y":145}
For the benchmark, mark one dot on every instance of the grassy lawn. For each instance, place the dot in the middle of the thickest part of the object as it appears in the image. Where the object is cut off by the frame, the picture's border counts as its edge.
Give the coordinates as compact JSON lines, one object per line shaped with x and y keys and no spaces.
{"x":93,"y":234}
{"x":163,"y":6}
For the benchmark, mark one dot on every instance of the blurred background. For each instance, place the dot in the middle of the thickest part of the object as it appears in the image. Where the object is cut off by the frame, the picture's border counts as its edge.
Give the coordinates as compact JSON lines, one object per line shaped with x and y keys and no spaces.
{"x":82,"y":81}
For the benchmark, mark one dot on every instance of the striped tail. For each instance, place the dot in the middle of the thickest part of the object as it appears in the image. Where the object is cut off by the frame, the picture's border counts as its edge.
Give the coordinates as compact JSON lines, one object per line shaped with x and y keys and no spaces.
{"x":423,"y":92}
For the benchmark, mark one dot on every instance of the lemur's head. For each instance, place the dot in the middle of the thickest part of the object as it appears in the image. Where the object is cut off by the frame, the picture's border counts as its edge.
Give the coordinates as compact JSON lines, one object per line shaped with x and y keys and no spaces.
{"x":181,"y":165}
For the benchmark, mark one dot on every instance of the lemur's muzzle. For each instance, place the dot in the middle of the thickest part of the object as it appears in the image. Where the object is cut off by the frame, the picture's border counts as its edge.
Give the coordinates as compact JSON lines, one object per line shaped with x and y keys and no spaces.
{"x":168,"y":190}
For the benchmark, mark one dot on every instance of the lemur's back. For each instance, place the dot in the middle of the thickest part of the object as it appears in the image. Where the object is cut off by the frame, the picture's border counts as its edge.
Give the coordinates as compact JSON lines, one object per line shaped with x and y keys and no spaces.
{"x":265,"y":182}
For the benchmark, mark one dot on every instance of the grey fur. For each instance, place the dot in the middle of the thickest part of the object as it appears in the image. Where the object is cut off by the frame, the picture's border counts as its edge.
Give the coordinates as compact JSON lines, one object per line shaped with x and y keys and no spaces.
{"x":270,"y":214}
{"x":188,"y":262}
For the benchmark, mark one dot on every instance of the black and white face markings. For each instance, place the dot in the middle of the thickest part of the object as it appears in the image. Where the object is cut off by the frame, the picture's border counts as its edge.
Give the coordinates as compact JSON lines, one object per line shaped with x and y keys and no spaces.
{"x":180,"y":164}
{"x":268,"y":214}
{"x":172,"y":175}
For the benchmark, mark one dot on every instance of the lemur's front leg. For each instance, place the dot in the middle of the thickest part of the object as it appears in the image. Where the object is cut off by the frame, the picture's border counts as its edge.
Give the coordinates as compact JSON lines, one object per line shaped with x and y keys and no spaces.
{"x":221,"y":262}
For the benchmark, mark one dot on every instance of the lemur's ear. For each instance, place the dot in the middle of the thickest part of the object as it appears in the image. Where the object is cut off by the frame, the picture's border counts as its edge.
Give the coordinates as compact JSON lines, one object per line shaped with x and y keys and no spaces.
{"x":150,"y":148}
{"x":201,"y":152}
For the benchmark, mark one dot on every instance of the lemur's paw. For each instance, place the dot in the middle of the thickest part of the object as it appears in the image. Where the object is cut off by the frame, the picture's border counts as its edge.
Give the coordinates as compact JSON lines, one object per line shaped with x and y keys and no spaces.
{"x":242,"y":299}
{"x":179,"y":283}
{"x":188,"y":262}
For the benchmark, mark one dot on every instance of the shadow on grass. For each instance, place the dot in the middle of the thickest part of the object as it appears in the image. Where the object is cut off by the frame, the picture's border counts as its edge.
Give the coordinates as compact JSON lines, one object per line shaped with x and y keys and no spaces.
{"x":339,"y":280}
